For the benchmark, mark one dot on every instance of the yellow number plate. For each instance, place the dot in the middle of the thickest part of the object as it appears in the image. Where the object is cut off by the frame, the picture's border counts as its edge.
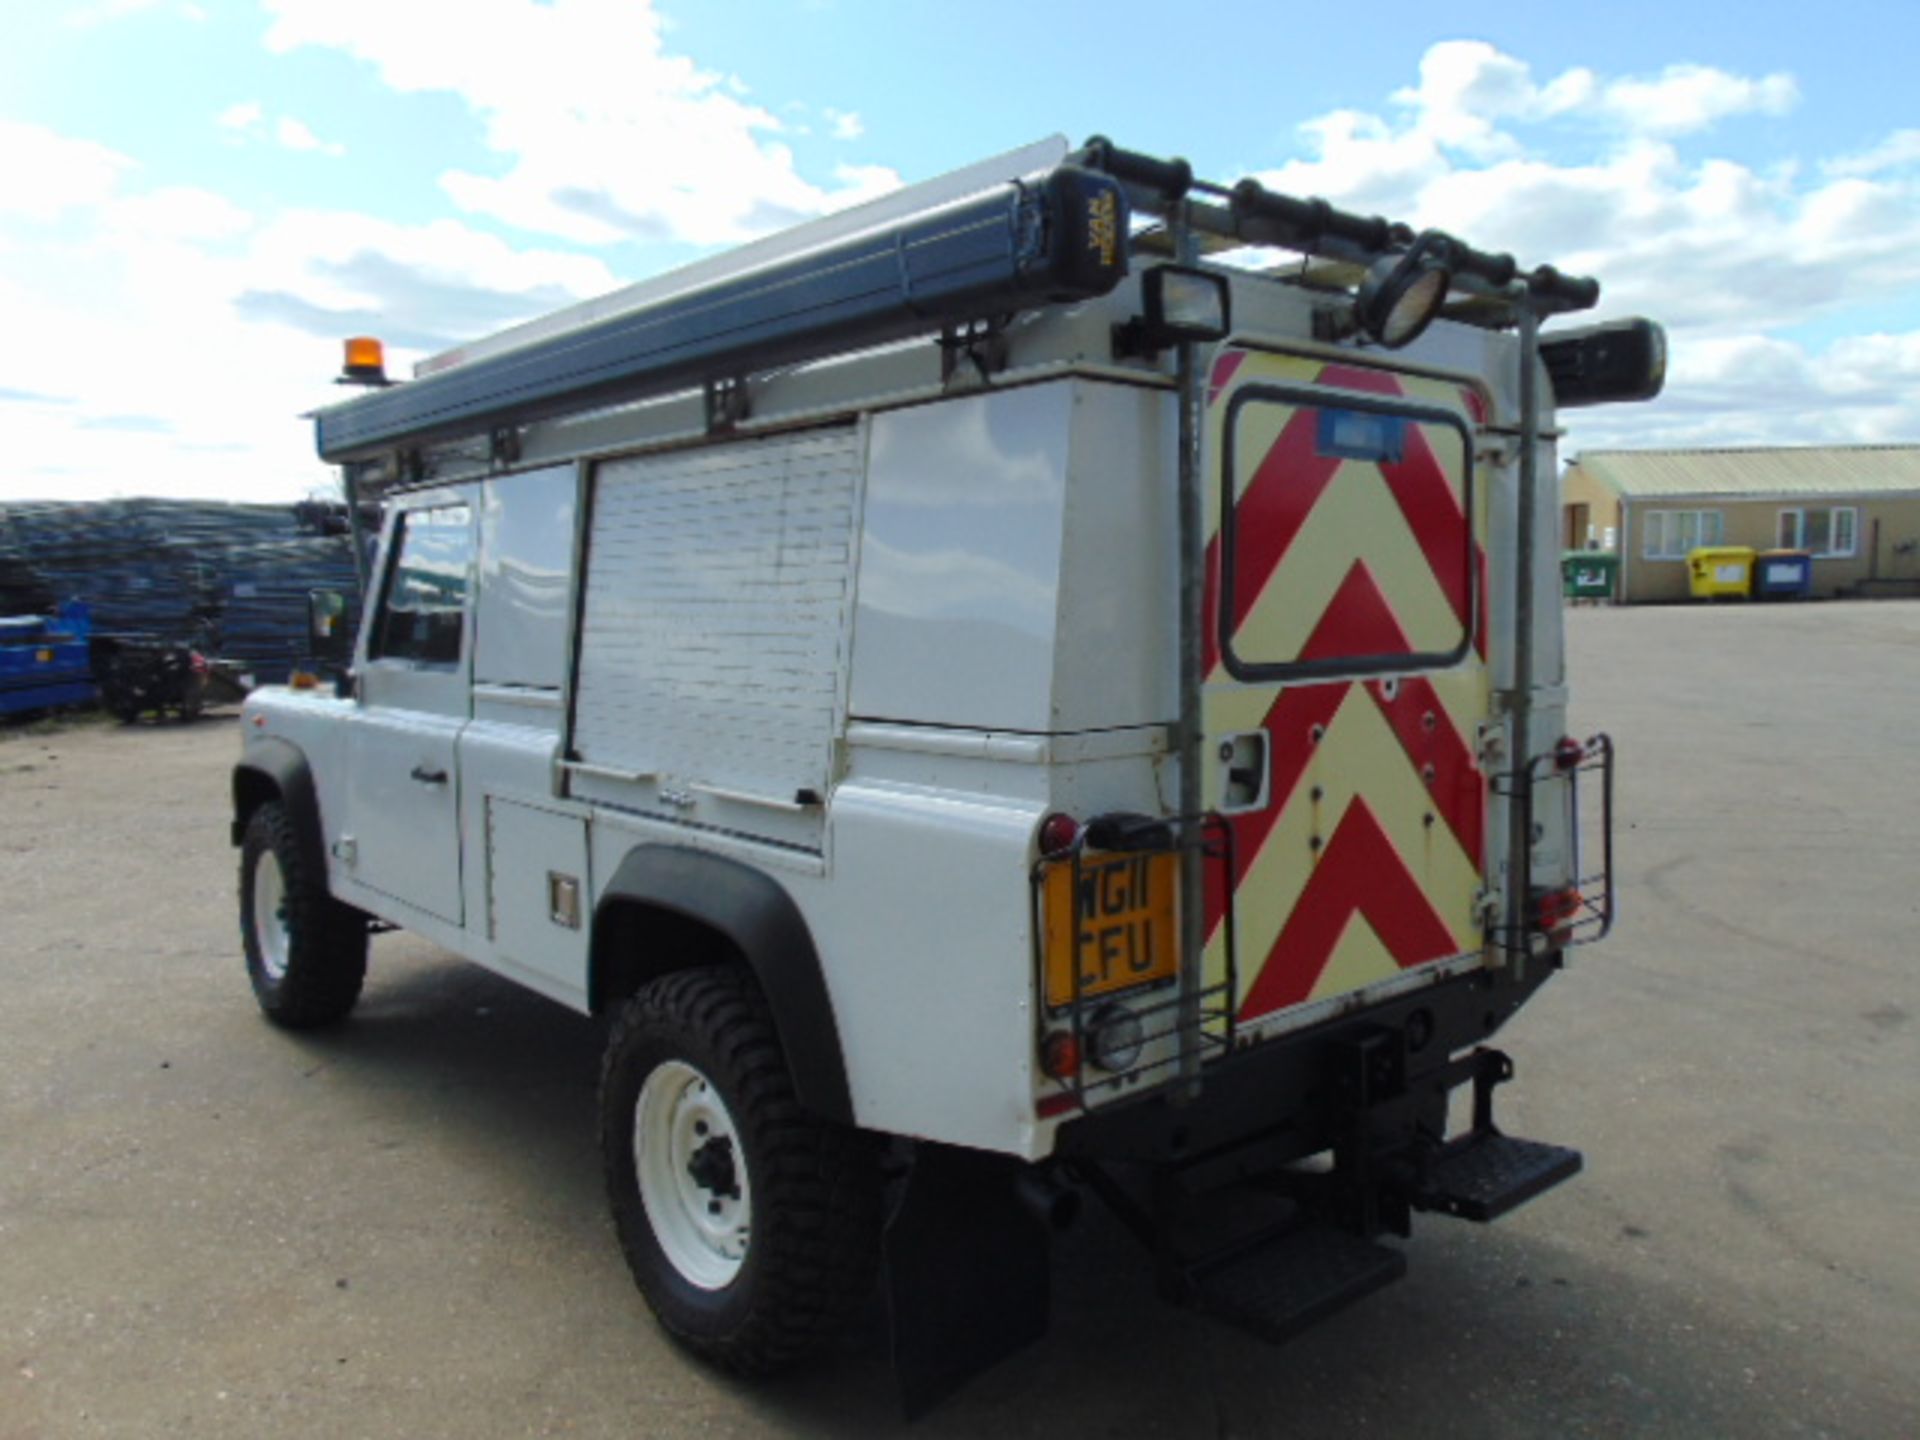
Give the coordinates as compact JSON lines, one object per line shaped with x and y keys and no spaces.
{"x":1126,"y":924}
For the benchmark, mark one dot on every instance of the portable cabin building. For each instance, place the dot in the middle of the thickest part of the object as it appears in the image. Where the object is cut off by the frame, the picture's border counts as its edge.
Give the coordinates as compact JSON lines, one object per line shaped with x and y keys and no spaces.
{"x":1854,"y":508}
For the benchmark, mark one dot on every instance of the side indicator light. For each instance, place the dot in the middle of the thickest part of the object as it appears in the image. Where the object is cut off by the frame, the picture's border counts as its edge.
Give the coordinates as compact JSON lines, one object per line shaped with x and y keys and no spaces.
{"x":1060,"y":1055}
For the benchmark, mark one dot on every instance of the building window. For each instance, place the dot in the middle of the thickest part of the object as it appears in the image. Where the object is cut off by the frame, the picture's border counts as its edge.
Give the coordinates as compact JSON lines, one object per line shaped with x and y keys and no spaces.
{"x":1670,"y":534}
{"x":1827,"y":532}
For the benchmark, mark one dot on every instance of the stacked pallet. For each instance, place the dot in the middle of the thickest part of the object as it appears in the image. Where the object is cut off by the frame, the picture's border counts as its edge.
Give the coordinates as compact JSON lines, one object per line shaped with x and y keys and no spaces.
{"x":229,"y":579}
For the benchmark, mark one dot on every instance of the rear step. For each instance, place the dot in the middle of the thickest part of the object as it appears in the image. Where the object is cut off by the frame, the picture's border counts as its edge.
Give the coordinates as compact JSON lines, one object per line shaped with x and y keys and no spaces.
{"x":1484,"y":1175}
{"x":1281,"y":1286}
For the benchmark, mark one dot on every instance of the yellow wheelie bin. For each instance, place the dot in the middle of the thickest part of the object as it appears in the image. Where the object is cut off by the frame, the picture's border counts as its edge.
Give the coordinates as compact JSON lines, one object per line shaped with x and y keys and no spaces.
{"x":1718,"y":571}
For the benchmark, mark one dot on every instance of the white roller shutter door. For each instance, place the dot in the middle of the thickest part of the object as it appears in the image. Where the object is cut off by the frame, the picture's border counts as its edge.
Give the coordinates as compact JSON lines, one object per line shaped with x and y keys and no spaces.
{"x":715,"y":624}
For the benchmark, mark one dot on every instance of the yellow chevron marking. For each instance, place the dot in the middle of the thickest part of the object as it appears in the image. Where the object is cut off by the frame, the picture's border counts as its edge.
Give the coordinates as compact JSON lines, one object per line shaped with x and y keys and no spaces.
{"x":1359,"y":756}
{"x":1359,"y":959}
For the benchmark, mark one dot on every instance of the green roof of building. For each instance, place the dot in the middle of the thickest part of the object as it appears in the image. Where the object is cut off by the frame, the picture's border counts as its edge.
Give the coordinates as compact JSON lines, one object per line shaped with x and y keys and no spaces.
{"x":1835,"y":470}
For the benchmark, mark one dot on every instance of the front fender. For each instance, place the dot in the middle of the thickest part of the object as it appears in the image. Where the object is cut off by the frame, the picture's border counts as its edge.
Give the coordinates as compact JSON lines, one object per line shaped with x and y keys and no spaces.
{"x":274,"y":769}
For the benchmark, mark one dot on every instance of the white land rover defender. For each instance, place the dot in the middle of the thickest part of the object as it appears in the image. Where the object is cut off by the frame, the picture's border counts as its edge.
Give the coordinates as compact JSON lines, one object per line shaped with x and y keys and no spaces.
{"x":1051,"y":682}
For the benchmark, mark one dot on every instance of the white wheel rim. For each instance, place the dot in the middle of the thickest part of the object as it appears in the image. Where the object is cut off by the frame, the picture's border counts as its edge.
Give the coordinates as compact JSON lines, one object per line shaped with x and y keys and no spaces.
{"x":270,"y":916}
{"x":693,"y":1175}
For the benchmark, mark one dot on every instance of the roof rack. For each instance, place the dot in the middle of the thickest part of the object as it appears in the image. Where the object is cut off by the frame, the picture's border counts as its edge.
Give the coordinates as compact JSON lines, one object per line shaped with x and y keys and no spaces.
{"x":1034,"y":227}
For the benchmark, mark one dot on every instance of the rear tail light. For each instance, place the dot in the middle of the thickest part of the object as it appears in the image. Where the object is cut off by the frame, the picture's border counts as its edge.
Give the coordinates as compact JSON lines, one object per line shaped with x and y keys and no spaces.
{"x":1057,"y":833}
{"x":1556,"y":911}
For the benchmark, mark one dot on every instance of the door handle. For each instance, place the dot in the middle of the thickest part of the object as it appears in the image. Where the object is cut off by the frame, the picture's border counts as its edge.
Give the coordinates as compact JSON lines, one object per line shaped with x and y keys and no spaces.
{"x":429,"y":777}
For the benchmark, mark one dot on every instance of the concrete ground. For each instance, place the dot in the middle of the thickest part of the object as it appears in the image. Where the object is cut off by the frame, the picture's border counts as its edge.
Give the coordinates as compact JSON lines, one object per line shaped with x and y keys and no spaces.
{"x":209,"y":1228}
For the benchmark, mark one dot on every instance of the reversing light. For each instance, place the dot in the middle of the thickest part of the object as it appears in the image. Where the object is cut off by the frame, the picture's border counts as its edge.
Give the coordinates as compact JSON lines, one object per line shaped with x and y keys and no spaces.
{"x":366,"y":362}
{"x":1060,"y":1055}
{"x":1057,"y":833}
{"x":1402,"y":293}
{"x":1117,"y":1038}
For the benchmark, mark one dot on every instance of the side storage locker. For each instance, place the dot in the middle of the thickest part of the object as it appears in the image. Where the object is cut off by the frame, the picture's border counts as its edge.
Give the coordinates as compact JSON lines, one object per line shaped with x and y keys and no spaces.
{"x":715,"y":628}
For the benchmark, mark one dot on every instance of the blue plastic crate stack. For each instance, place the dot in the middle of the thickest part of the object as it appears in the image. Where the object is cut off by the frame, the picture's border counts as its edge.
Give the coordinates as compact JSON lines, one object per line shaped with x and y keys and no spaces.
{"x":230,"y":579}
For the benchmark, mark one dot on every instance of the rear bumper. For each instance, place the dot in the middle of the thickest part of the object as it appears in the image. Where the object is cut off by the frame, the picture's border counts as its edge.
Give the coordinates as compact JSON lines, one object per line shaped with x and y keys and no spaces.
{"x":1290,"y":1096}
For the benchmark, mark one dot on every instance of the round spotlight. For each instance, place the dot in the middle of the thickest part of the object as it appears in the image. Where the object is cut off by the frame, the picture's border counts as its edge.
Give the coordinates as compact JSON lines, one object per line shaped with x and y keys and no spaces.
{"x":1400,"y":296}
{"x":1115,"y":1038}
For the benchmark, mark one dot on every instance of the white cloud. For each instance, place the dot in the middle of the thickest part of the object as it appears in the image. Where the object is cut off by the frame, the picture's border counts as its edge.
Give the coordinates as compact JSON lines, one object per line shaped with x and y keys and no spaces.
{"x":102,"y":12}
{"x":1761,"y":390}
{"x":43,"y":173}
{"x":845,"y":124}
{"x":246,"y":115}
{"x":1685,"y":98}
{"x":1898,"y":151}
{"x":166,"y":341}
{"x":623,"y":141}
{"x":248,"y":119}
{"x":1470,"y":93}
{"x":295,"y":135}
{"x":1603,"y":175}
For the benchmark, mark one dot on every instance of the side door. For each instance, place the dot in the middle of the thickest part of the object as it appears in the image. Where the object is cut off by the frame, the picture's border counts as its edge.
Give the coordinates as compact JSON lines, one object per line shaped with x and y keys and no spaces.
{"x":415,"y":698}
{"x":1346,"y":681}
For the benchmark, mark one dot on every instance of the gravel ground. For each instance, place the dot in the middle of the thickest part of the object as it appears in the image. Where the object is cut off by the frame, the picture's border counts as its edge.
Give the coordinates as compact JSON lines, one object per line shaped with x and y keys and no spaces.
{"x":209,"y":1228}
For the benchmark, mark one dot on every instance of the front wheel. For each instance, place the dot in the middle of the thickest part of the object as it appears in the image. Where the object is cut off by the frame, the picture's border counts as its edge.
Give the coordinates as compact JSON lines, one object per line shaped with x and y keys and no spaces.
{"x":752,"y":1228}
{"x":306,"y":952}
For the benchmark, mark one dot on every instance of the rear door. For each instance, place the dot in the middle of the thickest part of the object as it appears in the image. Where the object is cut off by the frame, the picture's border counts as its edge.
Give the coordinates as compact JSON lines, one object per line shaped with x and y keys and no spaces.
{"x":1346,"y":681}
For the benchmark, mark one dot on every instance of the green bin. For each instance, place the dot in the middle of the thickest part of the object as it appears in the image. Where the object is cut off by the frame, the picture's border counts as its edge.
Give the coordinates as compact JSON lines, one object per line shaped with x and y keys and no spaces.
{"x":1590,"y":574}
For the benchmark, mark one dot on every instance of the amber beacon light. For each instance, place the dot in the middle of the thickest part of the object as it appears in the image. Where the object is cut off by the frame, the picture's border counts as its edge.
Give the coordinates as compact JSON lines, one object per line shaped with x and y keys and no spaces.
{"x":366,"y":362}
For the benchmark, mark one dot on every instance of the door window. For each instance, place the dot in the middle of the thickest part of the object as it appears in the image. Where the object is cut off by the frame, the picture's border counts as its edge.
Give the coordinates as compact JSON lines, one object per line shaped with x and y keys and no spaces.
{"x":1347,"y":547}
{"x":423,"y":614}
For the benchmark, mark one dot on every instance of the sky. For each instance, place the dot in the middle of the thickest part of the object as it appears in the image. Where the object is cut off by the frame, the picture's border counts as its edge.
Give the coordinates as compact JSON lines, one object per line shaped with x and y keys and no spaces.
{"x":199,"y":199}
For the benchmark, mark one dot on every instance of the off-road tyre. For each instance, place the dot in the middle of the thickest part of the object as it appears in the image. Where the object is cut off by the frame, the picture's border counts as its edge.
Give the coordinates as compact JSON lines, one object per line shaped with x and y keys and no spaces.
{"x":311,"y":976}
{"x":813,"y":1238}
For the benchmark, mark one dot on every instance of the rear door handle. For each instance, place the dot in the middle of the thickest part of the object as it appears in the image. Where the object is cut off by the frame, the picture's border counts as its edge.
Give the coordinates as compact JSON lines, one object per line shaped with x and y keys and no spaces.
{"x":429,"y":777}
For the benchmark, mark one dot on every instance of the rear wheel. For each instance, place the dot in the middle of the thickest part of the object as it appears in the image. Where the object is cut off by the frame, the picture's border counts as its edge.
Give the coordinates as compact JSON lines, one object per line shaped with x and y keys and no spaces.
{"x":752,"y":1228}
{"x":306,"y":952}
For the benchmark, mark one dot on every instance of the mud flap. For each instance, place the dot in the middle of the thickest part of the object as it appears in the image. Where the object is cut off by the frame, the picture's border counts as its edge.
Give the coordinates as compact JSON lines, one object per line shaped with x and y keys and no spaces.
{"x":968,"y":1277}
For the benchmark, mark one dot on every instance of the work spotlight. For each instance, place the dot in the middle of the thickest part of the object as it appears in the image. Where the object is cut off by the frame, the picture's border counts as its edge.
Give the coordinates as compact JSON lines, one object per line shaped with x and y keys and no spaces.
{"x":1403,"y":292}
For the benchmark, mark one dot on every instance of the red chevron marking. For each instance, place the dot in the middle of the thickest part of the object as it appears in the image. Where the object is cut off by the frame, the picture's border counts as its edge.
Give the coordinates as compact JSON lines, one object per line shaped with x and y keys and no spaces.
{"x":1223,"y":372}
{"x":1358,"y":621}
{"x":1359,"y":377}
{"x":1427,"y":733}
{"x":1277,"y":501}
{"x":1357,"y":614}
{"x":1360,"y":874}
{"x":1427,"y":499}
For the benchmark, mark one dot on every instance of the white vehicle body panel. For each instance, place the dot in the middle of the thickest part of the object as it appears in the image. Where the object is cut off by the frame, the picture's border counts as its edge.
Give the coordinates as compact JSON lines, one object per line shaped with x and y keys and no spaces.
{"x":863,"y":646}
